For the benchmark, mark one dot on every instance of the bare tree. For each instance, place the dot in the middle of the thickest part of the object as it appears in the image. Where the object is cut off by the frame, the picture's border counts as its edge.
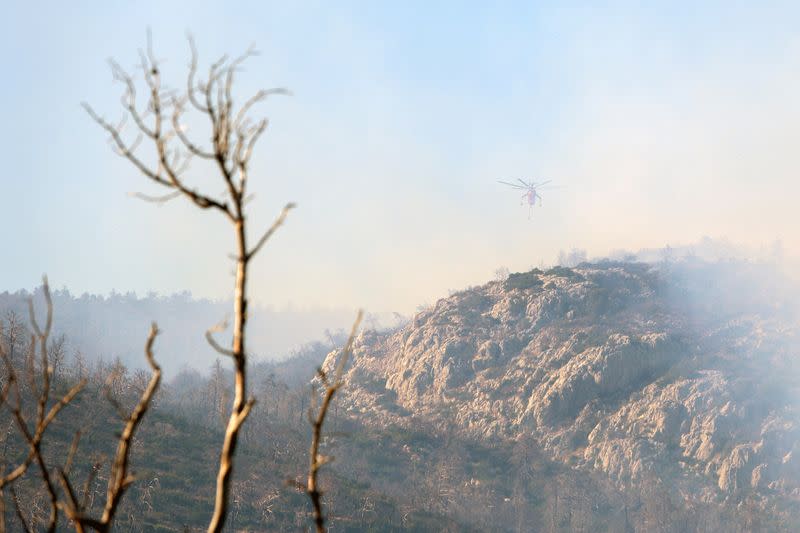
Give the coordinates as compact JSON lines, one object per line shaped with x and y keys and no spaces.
{"x":331,"y":384}
{"x":234,"y":134}
{"x":13,"y":335}
{"x":119,"y":479}
{"x":32,"y":429}
{"x":57,"y":356}
{"x":218,"y":393}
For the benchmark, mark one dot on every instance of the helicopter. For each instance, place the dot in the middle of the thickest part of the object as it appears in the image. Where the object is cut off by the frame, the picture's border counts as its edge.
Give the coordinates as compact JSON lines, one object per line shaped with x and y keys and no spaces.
{"x":531,"y":194}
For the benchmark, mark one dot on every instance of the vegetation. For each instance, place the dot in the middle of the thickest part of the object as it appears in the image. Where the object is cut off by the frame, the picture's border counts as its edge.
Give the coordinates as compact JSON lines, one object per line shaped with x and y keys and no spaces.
{"x":173,"y":459}
{"x":94,"y":445}
{"x":563,"y":272}
{"x":413,"y":473}
{"x":160,"y":122}
{"x":524,"y":280}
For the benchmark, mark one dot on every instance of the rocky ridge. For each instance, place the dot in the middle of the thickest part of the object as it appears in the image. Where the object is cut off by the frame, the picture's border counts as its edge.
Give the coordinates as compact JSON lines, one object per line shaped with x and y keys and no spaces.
{"x":611,"y":367}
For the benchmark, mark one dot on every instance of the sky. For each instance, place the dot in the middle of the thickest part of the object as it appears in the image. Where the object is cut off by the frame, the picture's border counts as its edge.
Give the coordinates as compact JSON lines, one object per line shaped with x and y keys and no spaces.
{"x":660,"y":122}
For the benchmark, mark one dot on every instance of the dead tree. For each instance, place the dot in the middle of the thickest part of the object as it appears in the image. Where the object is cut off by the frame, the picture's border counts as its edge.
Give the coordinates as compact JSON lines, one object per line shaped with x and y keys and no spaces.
{"x":119,"y":478}
{"x":233,"y":135}
{"x":32,"y":429}
{"x":331,"y":384}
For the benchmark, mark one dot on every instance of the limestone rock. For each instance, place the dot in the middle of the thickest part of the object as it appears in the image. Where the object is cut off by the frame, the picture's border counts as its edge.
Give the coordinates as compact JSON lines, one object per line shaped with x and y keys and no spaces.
{"x":606,"y":369}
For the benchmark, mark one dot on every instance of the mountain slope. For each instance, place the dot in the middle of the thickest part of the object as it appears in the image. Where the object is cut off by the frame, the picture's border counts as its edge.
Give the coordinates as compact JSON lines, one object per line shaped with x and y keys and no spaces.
{"x":687,"y":375}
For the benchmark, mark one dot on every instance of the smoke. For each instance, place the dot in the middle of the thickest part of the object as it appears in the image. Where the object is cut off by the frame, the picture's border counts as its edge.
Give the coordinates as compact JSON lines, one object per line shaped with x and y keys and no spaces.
{"x":116,"y":326}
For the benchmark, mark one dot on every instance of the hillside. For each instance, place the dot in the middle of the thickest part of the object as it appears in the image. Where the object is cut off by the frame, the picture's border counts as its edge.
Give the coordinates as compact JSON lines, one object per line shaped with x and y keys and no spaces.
{"x":605,"y":397}
{"x":112,"y":326}
{"x":685,"y":376}
{"x":174,"y":463}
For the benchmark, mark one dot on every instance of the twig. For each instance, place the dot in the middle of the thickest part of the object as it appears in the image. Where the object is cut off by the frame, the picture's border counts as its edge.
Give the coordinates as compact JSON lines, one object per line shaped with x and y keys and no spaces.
{"x":33,"y":434}
{"x":317,"y":461}
{"x":219,"y":327}
{"x":72,"y":451}
{"x":272,"y":229}
{"x":164,"y":198}
{"x":119,"y":478}
{"x":18,"y":510}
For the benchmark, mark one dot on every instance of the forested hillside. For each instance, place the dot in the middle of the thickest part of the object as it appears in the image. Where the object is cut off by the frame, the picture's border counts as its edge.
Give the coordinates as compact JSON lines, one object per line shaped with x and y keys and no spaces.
{"x":113,"y":327}
{"x":605,"y":397}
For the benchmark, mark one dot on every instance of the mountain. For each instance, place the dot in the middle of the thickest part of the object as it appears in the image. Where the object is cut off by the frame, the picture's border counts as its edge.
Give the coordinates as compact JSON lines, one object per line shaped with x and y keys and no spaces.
{"x":115,"y":326}
{"x":684,"y":376}
{"x":610,"y":396}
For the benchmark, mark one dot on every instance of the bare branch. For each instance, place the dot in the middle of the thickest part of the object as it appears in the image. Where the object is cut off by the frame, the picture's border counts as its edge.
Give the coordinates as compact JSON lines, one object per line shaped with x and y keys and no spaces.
{"x":254,"y":136}
{"x":73,"y":448}
{"x":177,"y":111}
{"x":70,"y":508}
{"x":49,"y":302}
{"x":221,"y":326}
{"x":2,"y":510}
{"x":129,"y":99}
{"x":119,"y":480}
{"x":214,"y":73}
{"x":34,"y":434}
{"x":39,"y":432}
{"x":272,"y":229}
{"x":18,"y":510}
{"x":250,"y":52}
{"x":35,"y":447}
{"x":109,"y":396}
{"x":316,"y":461}
{"x":155,"y":199}
{"x":172,"y":181}
{"x":212,"y":97}
{"x":88,"y":484}
{"x":256,"y":98}
{"x":190,"y":86}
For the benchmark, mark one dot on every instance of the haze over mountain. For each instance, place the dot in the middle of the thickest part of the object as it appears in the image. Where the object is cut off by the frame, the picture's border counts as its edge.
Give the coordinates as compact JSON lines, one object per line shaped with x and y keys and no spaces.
{"x":686,"y":374}
{"x":115,"y":326}
{"x":618,"y":351}
{"x":607,"y":396}
{"x":662,"y":122}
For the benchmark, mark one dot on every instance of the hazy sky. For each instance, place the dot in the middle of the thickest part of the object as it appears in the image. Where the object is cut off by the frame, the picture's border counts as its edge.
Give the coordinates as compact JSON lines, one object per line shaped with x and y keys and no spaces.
{"x":661,"y":124}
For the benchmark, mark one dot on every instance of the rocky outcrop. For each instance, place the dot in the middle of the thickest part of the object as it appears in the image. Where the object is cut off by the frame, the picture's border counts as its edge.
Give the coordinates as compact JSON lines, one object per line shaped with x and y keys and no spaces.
{"x":605,"y":370}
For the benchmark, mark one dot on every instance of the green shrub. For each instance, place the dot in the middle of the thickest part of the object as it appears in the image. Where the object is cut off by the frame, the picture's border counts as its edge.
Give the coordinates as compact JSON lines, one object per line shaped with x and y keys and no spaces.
{"x":563,"y":272}
{"x":524,"y":280}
